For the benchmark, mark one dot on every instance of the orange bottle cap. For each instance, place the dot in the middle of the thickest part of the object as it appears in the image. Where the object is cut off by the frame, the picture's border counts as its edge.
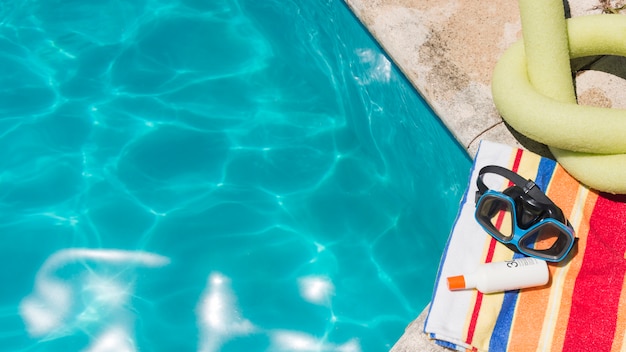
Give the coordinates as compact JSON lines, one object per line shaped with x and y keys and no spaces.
{"x":456,"y":282}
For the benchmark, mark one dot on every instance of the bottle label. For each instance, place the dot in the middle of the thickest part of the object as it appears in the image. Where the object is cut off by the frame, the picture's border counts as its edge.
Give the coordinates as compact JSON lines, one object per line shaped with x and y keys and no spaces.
{"x":515,"y":263}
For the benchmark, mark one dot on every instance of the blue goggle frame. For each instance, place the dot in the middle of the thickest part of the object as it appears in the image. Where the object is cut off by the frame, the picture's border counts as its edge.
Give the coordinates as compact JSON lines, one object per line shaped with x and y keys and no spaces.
{"x":532,"y":215}
{"x":522,"y":240}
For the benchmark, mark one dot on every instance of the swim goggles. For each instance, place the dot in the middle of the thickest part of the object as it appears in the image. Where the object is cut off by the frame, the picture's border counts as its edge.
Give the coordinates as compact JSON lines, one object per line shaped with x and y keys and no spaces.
{"x":522,"y":217}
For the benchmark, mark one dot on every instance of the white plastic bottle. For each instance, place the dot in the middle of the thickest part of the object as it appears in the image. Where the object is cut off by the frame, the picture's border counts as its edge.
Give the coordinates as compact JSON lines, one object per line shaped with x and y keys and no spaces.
{"x":503,"y":276}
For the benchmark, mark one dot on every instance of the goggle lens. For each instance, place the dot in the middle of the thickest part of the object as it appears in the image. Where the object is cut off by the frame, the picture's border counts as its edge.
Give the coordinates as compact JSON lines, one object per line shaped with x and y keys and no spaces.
{"x":546,"y":240}
{"x":496,"y":214}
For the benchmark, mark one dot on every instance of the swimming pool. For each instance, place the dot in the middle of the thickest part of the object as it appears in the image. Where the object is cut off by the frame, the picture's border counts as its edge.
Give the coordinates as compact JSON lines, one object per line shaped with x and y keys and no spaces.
{"x":213,"y":175}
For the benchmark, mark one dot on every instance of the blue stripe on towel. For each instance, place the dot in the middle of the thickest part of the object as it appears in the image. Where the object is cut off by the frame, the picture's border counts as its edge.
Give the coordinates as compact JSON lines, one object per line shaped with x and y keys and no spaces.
{"x":544,"y":174}
{"x":500,"y":337}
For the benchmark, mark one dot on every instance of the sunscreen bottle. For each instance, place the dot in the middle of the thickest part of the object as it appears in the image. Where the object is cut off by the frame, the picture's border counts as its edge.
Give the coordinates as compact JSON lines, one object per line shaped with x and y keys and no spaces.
{"x":503,"y":276}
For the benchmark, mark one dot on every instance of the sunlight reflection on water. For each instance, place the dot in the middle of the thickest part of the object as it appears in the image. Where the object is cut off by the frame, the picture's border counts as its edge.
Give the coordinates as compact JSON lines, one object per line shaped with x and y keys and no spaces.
{"x":213,"y":175}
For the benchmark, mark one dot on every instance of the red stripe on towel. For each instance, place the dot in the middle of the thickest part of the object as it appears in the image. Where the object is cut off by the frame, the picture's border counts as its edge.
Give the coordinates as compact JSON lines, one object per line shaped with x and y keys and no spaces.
{"x":595,"y":301}
{"x":471,"y":329}
{"x":479,"y":298}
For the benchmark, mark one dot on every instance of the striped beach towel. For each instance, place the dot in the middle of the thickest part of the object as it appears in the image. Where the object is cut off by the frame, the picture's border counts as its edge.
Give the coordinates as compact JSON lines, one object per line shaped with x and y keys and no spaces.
{"x":583,"y":308}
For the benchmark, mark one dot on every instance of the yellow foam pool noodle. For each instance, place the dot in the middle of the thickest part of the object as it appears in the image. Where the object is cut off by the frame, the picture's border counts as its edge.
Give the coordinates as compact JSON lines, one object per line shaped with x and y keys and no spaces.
{"x":547,"y":49}
{"x":589,"y":142}
{"x":603,"y":172}
{"x":563,"y":125}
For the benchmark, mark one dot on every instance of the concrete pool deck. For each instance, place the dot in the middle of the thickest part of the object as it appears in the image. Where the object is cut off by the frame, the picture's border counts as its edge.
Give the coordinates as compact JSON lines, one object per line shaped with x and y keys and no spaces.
{"x":448,"y":51}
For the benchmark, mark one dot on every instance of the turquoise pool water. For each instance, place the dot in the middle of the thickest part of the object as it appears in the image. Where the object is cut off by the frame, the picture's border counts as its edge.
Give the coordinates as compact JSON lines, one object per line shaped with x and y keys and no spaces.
{"x":213,"y":176}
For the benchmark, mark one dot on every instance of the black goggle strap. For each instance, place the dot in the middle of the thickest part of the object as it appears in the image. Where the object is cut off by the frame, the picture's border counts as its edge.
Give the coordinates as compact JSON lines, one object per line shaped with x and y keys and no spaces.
{"x":528,"y":186}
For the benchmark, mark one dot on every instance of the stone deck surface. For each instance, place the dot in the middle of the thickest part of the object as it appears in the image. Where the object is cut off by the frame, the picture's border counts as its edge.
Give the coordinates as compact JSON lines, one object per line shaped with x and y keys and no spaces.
{"x":448,"y":50}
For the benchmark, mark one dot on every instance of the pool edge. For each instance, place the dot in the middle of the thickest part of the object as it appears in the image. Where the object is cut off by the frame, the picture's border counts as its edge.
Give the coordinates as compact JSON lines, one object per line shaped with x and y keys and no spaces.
{"x":447,"y":51}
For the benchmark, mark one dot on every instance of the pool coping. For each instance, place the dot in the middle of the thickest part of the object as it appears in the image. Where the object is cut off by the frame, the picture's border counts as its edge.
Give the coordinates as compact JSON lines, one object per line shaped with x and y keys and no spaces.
{"x":448,"y":50}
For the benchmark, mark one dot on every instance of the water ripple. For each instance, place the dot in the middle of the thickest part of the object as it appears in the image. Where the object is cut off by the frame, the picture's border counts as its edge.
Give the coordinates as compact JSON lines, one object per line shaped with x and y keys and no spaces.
{"x":213,"y":175}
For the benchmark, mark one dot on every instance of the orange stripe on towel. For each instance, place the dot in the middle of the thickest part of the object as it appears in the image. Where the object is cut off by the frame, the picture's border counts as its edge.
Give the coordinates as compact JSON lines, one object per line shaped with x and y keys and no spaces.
{"x":571,"y":269}
{"x":572,"y":198}
{"x":531,"y":311}
{"x":563,"y":190}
